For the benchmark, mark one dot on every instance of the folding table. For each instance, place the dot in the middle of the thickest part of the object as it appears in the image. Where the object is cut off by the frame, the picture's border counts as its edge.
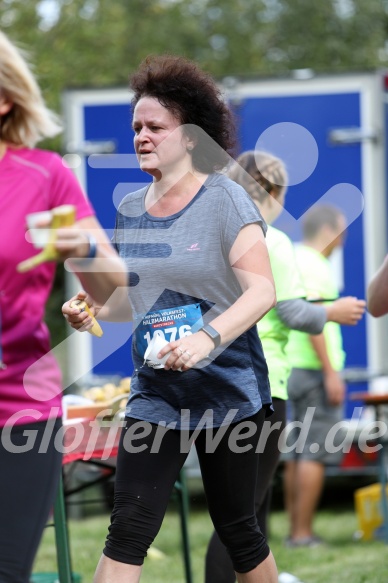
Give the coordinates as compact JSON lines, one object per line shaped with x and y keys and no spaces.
{"x":92,"y":441}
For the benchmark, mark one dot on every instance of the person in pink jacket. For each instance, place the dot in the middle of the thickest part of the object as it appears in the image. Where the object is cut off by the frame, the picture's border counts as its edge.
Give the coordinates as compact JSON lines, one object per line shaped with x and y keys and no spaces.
{"x":33,"y":180}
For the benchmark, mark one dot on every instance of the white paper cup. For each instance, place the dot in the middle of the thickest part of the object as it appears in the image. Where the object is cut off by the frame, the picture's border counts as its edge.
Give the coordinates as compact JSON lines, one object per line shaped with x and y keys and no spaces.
{"x":37,"y":234}
{"x":154,"y":347}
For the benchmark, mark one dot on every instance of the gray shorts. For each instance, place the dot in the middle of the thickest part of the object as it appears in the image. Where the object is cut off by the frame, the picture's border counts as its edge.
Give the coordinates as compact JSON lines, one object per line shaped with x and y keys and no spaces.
{"x":312,"y":433}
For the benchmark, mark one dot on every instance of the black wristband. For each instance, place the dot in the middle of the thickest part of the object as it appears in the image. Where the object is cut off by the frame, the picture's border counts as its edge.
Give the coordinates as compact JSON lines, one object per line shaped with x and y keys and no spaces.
{"x":213,"y":334}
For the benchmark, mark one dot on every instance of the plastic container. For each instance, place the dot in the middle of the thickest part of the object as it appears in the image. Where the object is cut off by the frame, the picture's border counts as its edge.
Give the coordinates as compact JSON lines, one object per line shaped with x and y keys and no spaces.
{"x":369,"y":510}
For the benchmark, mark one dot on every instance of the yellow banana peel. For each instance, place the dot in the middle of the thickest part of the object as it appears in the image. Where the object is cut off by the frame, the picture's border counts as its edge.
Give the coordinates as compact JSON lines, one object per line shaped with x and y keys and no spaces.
{"x":96,"y":329}
{"x":62,"y":216}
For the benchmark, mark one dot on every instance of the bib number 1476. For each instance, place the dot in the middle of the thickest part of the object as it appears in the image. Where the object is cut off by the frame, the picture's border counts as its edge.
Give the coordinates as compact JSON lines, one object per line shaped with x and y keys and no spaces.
{"x":174,"y":333}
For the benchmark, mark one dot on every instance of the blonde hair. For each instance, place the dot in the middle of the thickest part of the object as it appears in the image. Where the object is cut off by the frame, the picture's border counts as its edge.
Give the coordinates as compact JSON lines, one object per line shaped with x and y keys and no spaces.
{"x":260,"y":174}
{"x":29,"y":119}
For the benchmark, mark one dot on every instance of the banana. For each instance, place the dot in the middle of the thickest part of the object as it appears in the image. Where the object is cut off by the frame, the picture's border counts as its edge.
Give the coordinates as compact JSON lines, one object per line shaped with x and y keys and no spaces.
{"x":96,"y":329}
{"x":62,"y":216}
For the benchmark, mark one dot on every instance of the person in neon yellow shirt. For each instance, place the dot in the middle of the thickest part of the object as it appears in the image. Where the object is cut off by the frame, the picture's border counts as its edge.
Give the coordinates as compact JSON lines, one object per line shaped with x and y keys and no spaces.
{"x":264,"y":177}
{"x":315,"y":383}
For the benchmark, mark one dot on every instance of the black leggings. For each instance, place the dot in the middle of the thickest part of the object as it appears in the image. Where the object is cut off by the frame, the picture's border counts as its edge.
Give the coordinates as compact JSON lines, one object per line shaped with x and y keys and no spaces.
{"x":218,"y":566}
{"x":144,"y":482}
{"x":28,"y":485}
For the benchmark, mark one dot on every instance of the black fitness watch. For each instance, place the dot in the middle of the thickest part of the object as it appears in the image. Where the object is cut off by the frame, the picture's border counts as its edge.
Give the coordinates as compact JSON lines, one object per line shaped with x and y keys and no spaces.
{"x":213,"y":334}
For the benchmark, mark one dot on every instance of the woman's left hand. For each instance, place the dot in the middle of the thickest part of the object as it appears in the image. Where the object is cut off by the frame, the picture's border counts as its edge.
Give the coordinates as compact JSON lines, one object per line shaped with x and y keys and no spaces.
{"x":186,"y":352}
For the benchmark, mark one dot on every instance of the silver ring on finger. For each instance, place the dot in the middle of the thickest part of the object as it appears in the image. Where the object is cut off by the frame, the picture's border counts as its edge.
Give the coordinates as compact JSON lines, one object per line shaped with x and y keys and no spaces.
{"x":187,"y":352}
{"x":180,"y":350}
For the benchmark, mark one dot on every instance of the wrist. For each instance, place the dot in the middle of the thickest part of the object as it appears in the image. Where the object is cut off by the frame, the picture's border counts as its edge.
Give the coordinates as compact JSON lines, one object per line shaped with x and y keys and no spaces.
{"x":92,"y":247}
{"x":212,"y":334}
{"x":329,"y":313}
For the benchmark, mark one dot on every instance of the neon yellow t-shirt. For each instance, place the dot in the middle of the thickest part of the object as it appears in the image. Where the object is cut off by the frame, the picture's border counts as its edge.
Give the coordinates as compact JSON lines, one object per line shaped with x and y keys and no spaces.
{"x":273,"y":333}
{"x":319,"y":282}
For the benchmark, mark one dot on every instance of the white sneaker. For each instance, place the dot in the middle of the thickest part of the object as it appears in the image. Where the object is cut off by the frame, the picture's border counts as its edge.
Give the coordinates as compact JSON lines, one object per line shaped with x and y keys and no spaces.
{"x":288,"y":578}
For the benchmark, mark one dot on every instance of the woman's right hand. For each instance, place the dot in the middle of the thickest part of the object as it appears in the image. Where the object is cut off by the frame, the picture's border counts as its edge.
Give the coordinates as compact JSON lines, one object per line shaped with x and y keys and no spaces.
{"x":79,"y":319}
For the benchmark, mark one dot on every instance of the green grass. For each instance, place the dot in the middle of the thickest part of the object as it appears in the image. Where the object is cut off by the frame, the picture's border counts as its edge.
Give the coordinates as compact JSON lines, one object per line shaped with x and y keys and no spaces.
{"x":343,"y":560}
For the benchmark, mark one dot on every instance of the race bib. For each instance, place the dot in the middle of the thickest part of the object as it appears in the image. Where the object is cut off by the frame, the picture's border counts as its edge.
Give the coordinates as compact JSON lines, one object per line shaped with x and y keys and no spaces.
{"x":170,"y":323}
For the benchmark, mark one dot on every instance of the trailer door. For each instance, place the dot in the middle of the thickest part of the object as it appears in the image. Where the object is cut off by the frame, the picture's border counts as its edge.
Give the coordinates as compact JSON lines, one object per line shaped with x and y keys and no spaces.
{"x":342,"y":116}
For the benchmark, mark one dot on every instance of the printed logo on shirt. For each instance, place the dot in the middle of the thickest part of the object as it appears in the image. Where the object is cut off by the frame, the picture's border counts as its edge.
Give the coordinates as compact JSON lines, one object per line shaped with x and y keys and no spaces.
{"x":194,"y":247}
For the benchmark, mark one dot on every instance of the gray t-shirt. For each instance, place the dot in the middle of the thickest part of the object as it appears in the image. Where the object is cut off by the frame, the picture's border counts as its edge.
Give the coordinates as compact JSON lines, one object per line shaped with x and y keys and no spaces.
{"x":180,"y":279}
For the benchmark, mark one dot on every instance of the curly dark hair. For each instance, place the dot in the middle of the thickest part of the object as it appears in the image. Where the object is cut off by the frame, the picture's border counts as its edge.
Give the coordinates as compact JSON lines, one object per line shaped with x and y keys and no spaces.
{"x":194,"y":98}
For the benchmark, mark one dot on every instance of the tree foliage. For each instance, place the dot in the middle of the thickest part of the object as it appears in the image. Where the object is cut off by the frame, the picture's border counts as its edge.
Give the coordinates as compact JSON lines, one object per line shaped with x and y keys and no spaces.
{"x":97,"y":43}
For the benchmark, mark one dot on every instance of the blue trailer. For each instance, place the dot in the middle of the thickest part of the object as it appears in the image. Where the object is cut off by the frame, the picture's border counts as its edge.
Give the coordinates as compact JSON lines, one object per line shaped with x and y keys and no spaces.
{"x":330,"y":130}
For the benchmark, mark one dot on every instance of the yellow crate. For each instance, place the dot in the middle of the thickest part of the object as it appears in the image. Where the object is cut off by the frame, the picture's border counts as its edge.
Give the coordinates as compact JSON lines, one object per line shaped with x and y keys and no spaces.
{"x":369,"y":509}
